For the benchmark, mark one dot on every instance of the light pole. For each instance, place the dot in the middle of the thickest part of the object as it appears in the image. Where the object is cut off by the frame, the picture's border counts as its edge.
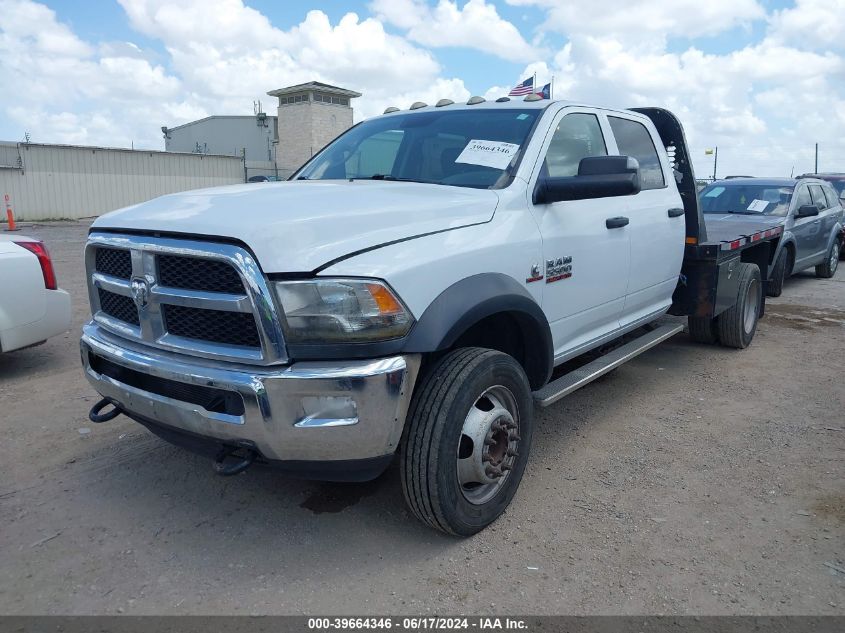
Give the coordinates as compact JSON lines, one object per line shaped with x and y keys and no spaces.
{"x":715,"y":153}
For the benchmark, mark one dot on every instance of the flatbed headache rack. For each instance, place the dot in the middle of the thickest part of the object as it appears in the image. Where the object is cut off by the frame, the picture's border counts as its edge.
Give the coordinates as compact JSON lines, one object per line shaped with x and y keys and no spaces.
{"x":707,"y":286}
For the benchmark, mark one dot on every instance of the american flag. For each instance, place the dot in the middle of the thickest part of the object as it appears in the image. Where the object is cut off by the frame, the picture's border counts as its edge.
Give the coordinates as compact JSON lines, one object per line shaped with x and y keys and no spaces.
{"x":525,"y":88}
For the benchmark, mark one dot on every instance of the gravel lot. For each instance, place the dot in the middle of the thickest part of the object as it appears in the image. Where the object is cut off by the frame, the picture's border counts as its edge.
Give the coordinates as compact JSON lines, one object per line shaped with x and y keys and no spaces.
{"x":694,"y":480}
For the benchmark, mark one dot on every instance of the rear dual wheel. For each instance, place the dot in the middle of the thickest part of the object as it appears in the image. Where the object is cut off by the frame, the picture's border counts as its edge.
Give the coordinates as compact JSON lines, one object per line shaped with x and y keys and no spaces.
{"x":467,"y":439}
{"x":736,"y":326}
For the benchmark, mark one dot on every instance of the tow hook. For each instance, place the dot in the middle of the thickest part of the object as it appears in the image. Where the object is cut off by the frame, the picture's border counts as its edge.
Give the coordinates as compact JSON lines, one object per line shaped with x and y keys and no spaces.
{"x":95,"y":416}
{"x":233,"y":468}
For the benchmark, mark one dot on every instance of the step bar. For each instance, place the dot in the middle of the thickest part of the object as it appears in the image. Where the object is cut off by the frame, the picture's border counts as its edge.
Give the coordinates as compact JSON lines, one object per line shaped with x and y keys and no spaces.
{"x":577,"y":378}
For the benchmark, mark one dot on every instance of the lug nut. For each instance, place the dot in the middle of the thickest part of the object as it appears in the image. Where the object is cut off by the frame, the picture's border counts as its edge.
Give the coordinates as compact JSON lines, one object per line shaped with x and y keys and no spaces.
{"x":513,"y":437}
{"x":511,"y":453}
{"x":506,"y":467}
{"x":486,"y":458}
{"x":489,"y":441}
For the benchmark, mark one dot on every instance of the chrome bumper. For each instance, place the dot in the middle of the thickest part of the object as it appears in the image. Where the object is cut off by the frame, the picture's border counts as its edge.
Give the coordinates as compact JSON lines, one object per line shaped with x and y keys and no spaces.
{"x":308,"y":411}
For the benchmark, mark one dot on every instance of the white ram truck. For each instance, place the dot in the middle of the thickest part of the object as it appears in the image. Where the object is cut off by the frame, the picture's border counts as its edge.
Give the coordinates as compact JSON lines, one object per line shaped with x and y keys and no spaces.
{"x":412,"y":290}
{"x":32,"y":306}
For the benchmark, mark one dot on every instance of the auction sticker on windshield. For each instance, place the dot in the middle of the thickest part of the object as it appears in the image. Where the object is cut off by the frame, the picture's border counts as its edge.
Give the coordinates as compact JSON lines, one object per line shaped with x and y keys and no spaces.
{"x":496,"y":154}
{"x":758,"y":205}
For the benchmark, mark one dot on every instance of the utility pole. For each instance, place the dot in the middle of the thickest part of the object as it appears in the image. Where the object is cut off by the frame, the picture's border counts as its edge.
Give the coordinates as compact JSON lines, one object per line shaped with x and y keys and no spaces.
{"x":817,"y":159}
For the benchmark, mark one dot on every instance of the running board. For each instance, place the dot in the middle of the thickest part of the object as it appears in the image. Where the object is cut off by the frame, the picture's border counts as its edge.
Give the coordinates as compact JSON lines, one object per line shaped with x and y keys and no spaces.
{"x":577,"y":378}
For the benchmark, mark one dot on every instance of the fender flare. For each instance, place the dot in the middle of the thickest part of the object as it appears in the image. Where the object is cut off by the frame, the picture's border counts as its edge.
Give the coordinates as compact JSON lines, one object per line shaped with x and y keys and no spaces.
{"x":468,"y":301}
{"x":786,"y":239}
{"x":836,"y":234}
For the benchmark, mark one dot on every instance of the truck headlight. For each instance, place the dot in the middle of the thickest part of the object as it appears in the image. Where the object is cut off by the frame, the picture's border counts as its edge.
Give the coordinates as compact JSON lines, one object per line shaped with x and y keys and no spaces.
{"x":341,"y":311}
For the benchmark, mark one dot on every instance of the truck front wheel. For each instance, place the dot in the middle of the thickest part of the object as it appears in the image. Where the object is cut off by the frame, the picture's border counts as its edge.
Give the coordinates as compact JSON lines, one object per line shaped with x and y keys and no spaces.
{"x":466,"y":441}
{"x":738,"y":323}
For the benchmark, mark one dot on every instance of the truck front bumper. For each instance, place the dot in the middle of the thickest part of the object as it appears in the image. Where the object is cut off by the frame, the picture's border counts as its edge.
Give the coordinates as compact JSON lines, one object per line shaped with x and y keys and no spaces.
{"x":326,"y":420}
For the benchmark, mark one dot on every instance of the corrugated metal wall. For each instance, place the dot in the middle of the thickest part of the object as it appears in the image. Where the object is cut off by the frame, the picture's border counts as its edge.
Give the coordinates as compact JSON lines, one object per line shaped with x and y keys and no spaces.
{"x":62,"y":181}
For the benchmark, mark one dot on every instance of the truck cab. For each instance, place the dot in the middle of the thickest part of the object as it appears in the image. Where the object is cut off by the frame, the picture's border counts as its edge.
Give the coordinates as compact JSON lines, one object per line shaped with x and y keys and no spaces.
{"x":410,"y":291}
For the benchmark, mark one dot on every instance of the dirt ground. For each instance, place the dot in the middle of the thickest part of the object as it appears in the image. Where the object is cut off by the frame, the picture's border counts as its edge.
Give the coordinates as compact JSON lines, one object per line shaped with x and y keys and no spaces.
{"x":694,"y":480}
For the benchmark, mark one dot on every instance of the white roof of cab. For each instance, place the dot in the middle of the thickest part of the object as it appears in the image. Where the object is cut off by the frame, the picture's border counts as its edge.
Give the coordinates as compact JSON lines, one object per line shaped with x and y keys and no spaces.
{"x":512,"y":104}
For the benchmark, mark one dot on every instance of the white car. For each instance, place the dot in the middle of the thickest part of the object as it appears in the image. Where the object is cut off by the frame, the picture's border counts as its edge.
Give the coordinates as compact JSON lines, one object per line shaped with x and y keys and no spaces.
{"x":32,"y":306}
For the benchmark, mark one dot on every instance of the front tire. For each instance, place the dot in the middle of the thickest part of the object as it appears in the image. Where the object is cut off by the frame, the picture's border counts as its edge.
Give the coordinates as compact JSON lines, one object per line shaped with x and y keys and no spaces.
{"x":738,"y":324}
{"x":827,"y":269}
{"x":467,"y":439}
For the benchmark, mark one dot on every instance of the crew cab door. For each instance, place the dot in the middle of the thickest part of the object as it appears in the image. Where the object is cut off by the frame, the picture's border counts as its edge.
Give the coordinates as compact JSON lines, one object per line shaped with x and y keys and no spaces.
{"x":657,"y":227}
{"x":585,"y":268}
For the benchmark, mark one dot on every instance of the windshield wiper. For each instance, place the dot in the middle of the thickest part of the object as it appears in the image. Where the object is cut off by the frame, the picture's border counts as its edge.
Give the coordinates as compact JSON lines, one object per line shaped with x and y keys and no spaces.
{"x":744,"y":212}
{"x":391,"y":178}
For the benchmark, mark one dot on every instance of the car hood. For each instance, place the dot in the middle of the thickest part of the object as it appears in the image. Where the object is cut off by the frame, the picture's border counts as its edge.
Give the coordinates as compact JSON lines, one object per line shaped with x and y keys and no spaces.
{"x":299,"y":226}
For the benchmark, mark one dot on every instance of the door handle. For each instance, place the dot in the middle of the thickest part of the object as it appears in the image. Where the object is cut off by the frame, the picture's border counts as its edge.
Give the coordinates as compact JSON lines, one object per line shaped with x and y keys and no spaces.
{"x":616,"y":223}
{"x":674,"y":213}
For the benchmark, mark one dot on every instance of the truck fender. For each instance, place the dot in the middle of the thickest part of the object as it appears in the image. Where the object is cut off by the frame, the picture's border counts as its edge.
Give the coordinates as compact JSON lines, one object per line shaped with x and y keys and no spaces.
{"x":466,"y":302}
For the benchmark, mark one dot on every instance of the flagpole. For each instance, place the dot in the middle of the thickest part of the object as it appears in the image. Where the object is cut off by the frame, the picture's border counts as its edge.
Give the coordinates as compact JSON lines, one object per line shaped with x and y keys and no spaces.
{"x":534,"y":83}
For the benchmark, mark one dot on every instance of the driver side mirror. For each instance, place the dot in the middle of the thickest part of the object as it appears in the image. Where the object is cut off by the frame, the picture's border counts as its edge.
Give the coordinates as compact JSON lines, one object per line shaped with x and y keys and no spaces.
{"x":598,"y":177}
{"x":807,"y":211}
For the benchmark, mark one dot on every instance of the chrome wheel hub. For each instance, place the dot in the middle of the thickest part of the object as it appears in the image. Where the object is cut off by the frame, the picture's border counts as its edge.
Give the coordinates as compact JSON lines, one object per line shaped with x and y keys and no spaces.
{"x":488,"y":445}
{"x":834,"y":258}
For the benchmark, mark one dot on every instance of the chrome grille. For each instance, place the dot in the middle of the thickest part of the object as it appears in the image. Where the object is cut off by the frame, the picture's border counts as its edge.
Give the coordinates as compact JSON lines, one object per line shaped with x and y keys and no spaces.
{"x":198,"y":274}
{"x":116,"y":262}
{"x":230,"y":328}
{"x":199,"y":298}
{"x":119,"y":307}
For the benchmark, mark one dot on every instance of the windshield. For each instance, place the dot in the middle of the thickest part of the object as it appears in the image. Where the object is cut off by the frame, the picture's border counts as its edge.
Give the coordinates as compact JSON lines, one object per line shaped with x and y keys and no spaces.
{"x":746,"y":199}
{"x":464,"y":148}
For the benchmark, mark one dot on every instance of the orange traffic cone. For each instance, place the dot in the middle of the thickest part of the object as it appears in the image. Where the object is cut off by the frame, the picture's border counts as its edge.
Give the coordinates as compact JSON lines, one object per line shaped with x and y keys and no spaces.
{"x":10,"y":217}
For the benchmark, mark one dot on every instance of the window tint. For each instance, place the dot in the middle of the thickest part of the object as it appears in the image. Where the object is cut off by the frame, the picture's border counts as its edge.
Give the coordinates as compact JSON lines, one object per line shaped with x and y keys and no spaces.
{"x":802,"y":197}
{"x":831,"y":195}
{"x":432,"y":147}
{"x":634,"y":140}
{"x":818,"y":197}
{"x":577,"y":136}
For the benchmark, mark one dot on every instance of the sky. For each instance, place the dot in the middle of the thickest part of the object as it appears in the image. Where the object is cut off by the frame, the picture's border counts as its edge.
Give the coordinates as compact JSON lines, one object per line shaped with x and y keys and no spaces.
{"x":763,"y":81}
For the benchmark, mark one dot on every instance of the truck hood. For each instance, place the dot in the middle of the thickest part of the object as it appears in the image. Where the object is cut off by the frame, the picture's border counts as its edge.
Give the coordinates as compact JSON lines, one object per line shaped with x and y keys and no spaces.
{"x":299,"y":226}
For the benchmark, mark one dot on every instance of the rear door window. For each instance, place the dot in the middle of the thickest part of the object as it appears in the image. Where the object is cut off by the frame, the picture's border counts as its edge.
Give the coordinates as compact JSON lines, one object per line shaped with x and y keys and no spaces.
{"x":818,"y":197}
{"x":633,"y":139}
{"x":831,"y":195}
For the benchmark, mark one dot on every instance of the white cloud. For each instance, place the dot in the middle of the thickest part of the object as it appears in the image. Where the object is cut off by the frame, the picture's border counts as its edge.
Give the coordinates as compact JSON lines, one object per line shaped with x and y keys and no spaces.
{"x":222,"y":56}
{"x":224,"y":49}
{"x":476,"y":25}
{"x":818,"y":23}
{"x":764,"y":104}
{"x":642,"y":22}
